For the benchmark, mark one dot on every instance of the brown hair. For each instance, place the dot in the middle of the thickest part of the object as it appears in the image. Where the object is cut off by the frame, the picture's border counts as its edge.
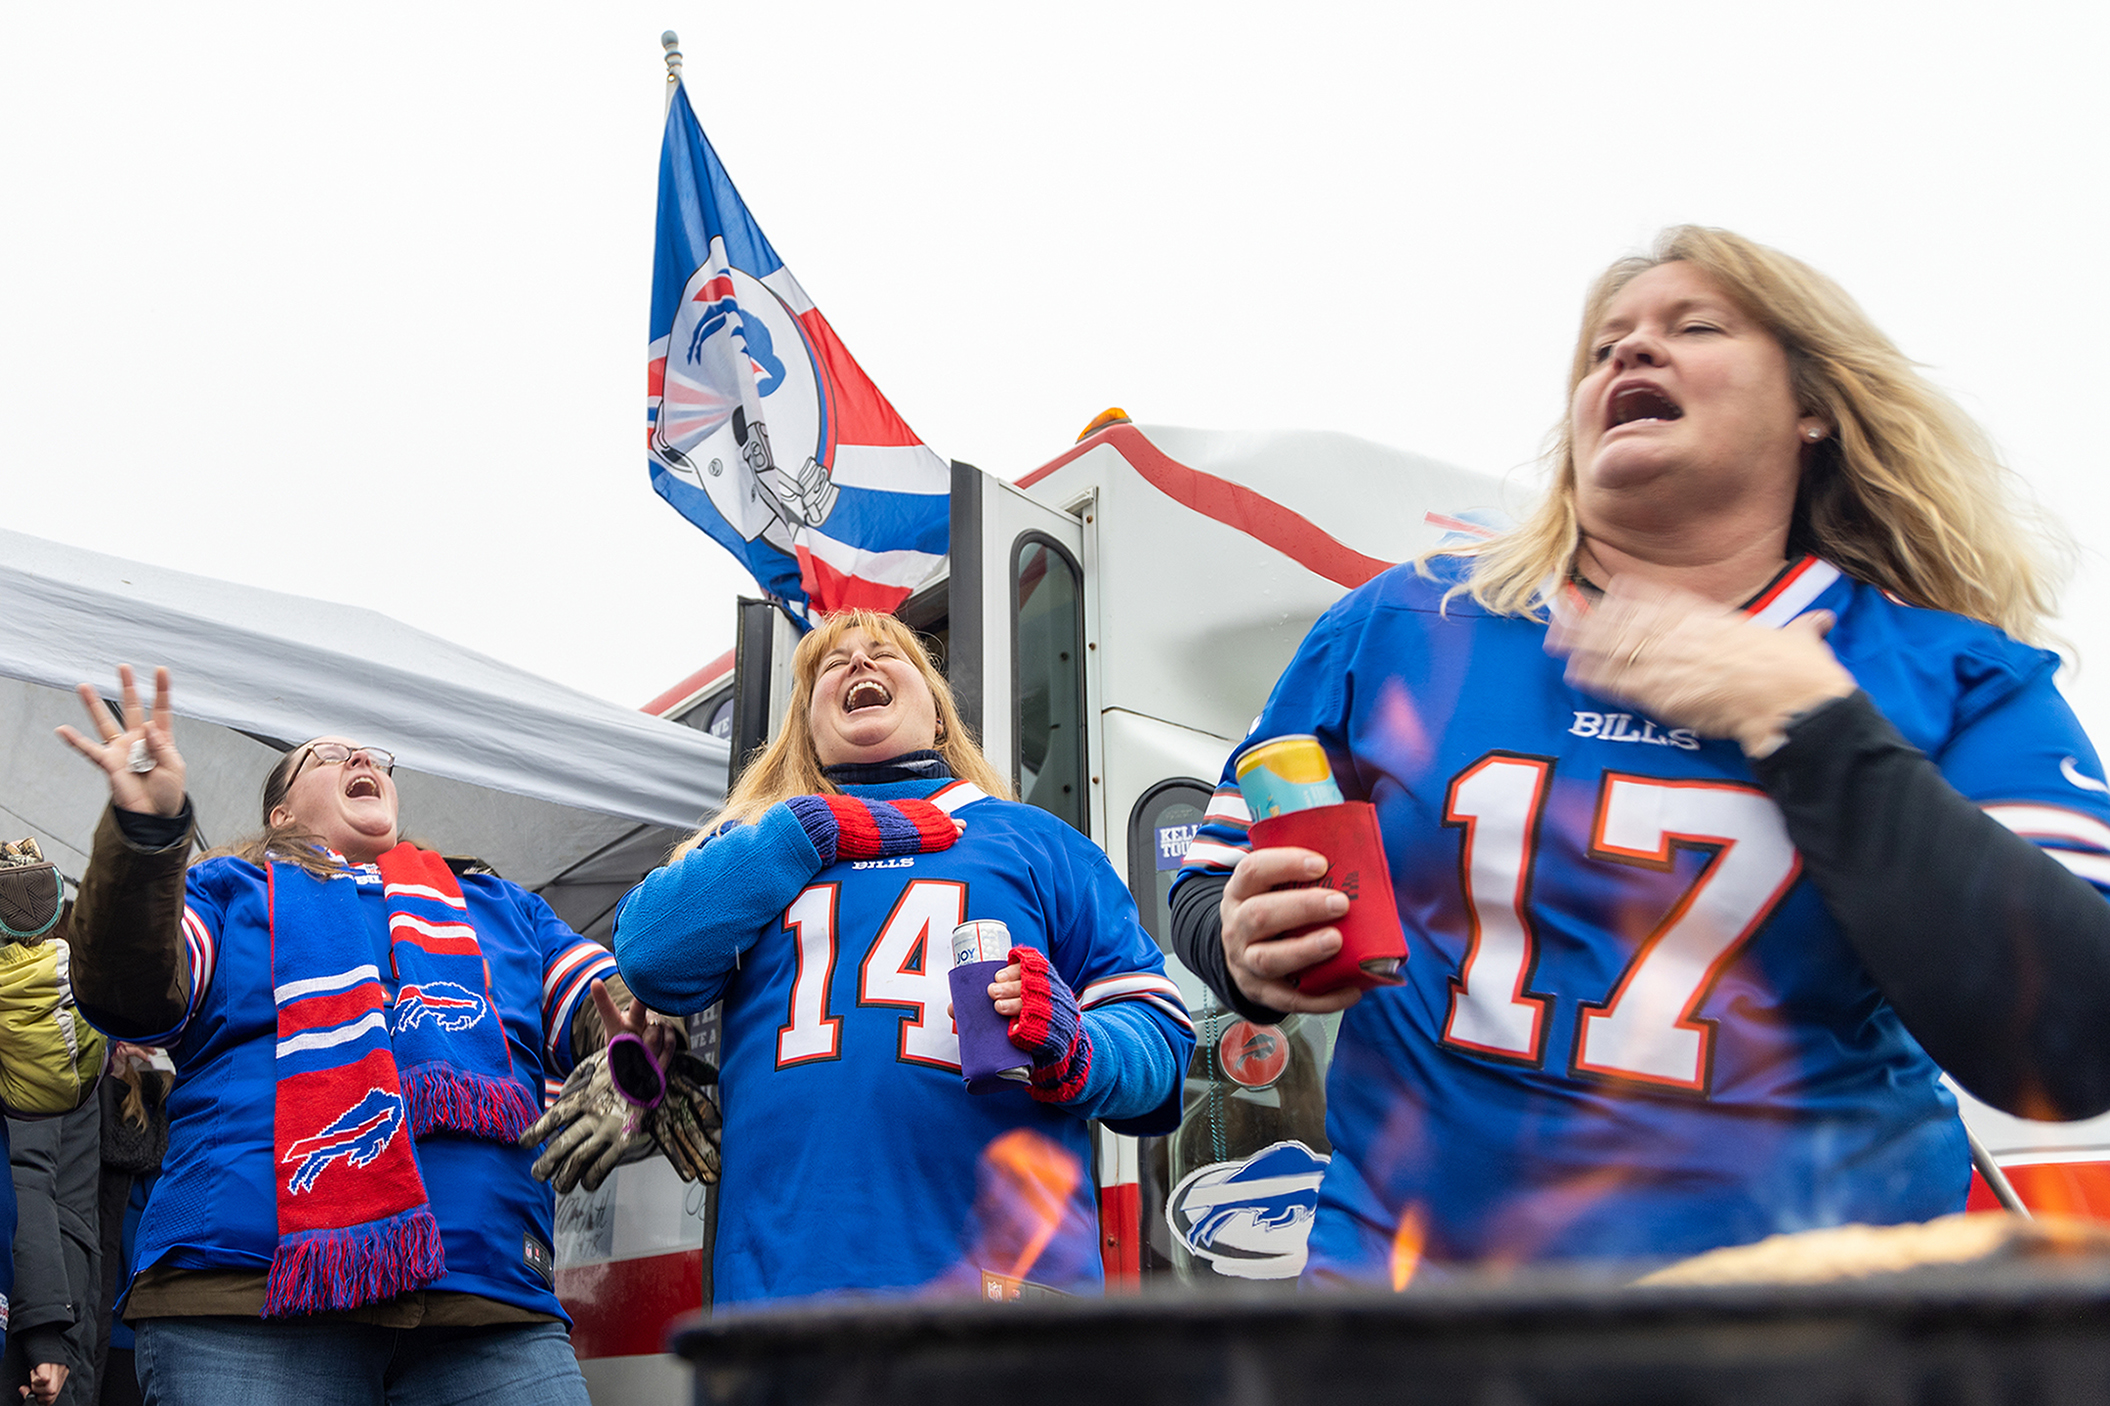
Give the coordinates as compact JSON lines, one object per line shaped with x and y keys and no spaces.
{"x":1907,"y":493}
{"x":790,"y":766}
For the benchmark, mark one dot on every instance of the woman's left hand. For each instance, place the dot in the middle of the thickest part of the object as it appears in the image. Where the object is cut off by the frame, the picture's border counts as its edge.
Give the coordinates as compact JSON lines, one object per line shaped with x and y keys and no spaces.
{"x":1688,"y":662}
{"x":1007,"y":989}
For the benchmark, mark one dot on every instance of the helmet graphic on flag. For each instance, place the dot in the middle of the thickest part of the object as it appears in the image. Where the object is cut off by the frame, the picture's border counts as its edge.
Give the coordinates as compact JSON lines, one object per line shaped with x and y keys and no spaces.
{"x":740,"y":411}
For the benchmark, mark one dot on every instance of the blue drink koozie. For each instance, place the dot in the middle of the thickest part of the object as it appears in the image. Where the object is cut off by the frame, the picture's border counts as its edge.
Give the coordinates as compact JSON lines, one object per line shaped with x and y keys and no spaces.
{"x":980,"y":949}
{"x":986,"y":1051}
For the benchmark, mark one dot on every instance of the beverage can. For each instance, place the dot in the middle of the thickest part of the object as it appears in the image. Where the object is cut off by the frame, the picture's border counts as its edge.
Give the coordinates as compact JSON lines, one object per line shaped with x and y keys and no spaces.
{"x":980,"y":940}
{"x":1286,"y":774}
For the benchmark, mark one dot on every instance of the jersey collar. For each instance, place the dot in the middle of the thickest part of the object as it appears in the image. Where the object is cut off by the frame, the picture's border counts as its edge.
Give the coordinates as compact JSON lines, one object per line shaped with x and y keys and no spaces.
{"x":1786,"y":596}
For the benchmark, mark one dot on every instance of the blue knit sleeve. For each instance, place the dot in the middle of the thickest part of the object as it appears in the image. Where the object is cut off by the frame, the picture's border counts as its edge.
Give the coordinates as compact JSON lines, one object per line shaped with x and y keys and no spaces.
{"x":1139,"y":1057}
{"x":680,"y":933}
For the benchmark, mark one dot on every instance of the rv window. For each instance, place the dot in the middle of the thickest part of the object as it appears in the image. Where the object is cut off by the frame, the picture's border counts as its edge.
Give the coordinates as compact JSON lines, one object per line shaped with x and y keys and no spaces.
{"x":1159,"y":828}
{"x":712,"y":714}
{"x":1047,"y":634}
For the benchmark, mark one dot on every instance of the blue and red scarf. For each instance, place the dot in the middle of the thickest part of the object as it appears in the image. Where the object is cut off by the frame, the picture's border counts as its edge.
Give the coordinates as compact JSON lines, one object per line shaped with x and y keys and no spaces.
{"x":355,"y":1072}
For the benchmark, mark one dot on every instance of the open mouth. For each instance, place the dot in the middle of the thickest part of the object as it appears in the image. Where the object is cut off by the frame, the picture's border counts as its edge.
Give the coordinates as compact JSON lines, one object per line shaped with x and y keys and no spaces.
{"x":363,"y":788}
{"x":866,"y":693}
{"x":1641,"y":402}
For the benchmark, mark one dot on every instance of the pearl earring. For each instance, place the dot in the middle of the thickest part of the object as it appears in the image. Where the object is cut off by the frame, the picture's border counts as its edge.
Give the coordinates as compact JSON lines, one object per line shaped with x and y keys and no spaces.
{"x":1814,"y":433}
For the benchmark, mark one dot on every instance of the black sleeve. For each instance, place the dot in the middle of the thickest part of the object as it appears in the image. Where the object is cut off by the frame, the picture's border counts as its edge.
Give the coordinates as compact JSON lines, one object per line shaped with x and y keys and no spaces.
{"x":1994,"y":954}
{"x":1197,"y":938}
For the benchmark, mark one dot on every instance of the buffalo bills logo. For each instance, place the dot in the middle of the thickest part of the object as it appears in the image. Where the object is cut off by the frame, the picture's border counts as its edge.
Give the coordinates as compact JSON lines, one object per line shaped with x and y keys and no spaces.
{"x":359,"y":1135}
{"x":451,"y":1007}
{"x":1250,"y":1219}
{"x":741,"y":411}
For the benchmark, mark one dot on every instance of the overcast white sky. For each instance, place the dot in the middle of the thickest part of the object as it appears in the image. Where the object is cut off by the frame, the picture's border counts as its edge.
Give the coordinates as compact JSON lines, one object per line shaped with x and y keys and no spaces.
{"x":351,"y":301}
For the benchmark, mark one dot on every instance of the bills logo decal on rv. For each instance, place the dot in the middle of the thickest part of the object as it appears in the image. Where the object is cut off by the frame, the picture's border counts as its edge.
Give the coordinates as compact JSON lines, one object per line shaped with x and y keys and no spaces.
{"x":1250,"y":1219}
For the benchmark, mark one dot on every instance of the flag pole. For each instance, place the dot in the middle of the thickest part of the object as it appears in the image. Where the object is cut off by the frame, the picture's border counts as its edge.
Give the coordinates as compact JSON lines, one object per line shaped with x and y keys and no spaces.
{"x":672,"y":44}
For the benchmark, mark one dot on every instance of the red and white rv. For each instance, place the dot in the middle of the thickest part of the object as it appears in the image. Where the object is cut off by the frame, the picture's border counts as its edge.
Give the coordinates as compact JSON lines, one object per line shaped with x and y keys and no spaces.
{"x":1112,"y":623}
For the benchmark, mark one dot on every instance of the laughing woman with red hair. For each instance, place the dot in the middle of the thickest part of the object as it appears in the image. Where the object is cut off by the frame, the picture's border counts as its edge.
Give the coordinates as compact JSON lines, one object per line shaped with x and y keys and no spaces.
{"x":820,"y":907}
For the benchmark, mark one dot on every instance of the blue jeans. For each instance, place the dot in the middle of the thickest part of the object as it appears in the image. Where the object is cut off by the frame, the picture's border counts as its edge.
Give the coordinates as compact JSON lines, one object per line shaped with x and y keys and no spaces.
{"x":251,"y":1362}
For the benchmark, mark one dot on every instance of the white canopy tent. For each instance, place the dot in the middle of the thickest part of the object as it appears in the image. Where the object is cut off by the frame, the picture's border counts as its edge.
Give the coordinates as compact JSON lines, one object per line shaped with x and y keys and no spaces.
{"x":559,"y":791}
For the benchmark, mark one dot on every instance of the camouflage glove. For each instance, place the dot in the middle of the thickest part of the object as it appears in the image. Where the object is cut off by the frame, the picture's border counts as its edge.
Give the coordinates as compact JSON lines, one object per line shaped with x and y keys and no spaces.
{"x":686,"y":1122}
{"x":589,"y":1128}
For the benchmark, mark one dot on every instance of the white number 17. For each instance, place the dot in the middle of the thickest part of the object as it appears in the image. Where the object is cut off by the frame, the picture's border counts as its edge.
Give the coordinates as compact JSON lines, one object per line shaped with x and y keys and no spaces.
{"x":1645,"y":1030}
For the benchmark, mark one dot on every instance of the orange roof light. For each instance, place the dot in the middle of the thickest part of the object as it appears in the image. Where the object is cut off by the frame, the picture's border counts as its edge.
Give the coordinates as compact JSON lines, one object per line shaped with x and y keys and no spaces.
{"x":1114,"y":416}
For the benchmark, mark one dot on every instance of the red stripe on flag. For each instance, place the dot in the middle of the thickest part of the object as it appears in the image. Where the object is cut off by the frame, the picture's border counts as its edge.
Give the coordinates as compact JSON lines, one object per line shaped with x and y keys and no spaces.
{"x":861,"y":415}
{"x":830,"y":590}
{"x":656,"y":377}
{"x":719,"y":287}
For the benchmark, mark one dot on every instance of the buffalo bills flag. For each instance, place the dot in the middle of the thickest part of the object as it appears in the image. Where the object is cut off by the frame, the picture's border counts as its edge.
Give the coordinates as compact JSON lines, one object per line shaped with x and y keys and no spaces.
{"x":761,"y":430}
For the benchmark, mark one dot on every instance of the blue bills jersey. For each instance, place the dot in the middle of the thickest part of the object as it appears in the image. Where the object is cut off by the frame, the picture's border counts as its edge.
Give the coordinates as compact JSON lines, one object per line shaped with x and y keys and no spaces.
{"x":1629,"y":1027}
{"x":855,"y":1159}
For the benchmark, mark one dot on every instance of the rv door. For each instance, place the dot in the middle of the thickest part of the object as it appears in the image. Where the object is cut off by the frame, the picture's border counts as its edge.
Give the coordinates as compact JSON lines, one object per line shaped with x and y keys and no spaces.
{"x":1020,"y":633}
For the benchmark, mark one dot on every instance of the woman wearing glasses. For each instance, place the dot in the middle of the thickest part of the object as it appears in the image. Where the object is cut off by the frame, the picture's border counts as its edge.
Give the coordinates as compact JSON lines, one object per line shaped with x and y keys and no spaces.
{"x":360,"y":1035}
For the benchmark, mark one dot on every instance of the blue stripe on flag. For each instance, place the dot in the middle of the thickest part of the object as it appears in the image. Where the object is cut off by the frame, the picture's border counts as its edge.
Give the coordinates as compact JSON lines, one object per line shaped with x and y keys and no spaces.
{"x":688,"y":221}
{"x":874,"y":520}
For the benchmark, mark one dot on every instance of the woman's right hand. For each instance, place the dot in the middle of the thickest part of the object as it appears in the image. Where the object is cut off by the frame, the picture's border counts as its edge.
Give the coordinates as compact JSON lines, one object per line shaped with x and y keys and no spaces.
{"x":156,"y":791}
{"x":1260,"y":958}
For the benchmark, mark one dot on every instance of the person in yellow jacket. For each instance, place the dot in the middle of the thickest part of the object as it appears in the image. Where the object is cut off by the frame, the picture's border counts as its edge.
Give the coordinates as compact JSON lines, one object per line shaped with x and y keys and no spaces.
{"x":50,"y":1058}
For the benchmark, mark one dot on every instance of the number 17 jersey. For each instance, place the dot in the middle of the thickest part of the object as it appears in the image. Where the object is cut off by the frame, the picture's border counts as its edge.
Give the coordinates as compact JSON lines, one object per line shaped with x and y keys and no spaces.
{"x":1630,"y":1028}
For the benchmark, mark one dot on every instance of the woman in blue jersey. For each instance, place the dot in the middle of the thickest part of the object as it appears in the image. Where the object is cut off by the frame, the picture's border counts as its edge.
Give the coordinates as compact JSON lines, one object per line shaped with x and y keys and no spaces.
{"x":820,"y":909}
{"x":360,"y":1034}
{"x":1728,"y":802}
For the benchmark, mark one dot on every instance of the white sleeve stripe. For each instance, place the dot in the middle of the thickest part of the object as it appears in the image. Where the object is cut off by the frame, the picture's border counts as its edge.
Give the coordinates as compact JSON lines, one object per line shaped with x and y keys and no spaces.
{"x":577,"y":967}
{"x":2042,"y":822}
{"x":1228,"y":805}
{"x":561,"y":969}
{"x":558,"y":1015}
{"x":2095,"y":868}
{"x":1207,"y":854}
{"x":204,"y":955}
{"x":1137,"y":986}
{"x":1128,"y":983}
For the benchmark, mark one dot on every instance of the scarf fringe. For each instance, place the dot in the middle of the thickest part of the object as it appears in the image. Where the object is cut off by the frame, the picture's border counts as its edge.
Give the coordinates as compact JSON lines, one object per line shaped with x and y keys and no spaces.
{"x":446,"y":1099}
{"x":317,"y":1271}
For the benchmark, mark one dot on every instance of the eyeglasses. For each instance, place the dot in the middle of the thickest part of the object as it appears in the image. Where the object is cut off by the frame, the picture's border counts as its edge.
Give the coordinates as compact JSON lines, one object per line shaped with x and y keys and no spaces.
{"x":337,"y":754}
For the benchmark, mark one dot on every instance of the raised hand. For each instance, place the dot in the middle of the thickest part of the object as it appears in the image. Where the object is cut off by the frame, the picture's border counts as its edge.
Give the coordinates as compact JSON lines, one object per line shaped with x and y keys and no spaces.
{"x":140,"y":758}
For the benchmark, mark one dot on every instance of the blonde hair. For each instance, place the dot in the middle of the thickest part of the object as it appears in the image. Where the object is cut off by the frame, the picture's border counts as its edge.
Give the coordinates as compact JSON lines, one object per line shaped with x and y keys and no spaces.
{"x":790,"y":766}
{"x":1906,"y":493}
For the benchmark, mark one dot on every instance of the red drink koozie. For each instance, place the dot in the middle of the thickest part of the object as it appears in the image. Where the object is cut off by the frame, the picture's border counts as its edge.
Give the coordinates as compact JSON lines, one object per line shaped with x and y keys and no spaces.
{"x":1372,"y":942}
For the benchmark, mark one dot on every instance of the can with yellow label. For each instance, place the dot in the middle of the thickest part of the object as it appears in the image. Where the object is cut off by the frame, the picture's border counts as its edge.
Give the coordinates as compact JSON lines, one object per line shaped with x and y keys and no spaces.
{"x":1286,"y":774}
